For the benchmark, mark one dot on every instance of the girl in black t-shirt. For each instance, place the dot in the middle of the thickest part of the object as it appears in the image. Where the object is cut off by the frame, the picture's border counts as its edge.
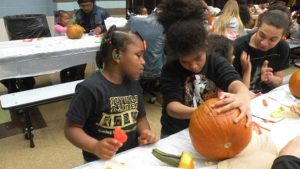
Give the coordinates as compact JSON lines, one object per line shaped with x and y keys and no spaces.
{"x":110,"y":99}
{"x":190,"y":65}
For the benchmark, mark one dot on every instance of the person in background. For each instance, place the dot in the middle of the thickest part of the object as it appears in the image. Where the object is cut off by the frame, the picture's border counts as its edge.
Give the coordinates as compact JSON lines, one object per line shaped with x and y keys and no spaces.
{"x":152,"y":31}
{"x":295,"y":37}
{"x":224,"y":47}
{"x":289,"y":156}
{"x":245,"y":15}
{"x":221,"y":45}
{"x":294,"y":30}
{"x":91,"y":17}
{"x":191,"y":75}
{"x":229,"y":22}
{"x":296,"y":6}
{"x":205,"y":7}
{"x":141,"y":10}
{"x":269,"y":54}
{"x":62,"y":20}
{"x":111,"y":98}
{"x":261,"y":7}
{"x":276,"y":5}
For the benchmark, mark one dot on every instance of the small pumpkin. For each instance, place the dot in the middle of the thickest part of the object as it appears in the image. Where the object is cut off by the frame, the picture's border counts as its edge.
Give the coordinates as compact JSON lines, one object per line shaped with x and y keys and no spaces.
{"x":294,"y":84}
{"x":217,"y":136}
{"x":74,"y":31}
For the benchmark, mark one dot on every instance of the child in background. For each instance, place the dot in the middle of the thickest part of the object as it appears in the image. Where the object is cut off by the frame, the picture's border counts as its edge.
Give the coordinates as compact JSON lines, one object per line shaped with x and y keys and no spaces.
{"x":224,"y":47}
{"x":221,"y":45}
{"x":141,"y":10}
{"x":109,"y":99}
{"x":62,"y":19}
{"x":188,"y":60}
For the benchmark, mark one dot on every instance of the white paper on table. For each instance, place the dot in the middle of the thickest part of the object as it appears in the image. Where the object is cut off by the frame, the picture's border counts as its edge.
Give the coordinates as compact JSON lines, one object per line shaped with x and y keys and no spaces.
{"x":118,"y":21}
{"x":283,"y":96}
{"x":259,"y":110}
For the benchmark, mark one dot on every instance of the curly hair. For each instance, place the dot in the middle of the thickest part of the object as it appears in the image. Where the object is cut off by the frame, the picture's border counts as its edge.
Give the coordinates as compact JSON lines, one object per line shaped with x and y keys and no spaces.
{"x":219,"y":44}
{"x":179,"y":10}
{"x":184,"y":30}
{"x":185,"y":37}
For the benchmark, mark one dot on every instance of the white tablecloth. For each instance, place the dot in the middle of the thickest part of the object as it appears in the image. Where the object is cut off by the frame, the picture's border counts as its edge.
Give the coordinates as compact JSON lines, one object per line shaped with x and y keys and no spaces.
{"x":280,"y":132}
{"x":46,"y":55}
{"x":142,"y":158}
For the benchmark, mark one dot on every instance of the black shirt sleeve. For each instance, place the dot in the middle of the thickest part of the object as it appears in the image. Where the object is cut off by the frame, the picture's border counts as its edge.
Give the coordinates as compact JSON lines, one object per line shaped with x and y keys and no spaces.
{"x":286,"y":162}
{"x":221,"y":72}
{"x":81,"y":105}
{"x":172,"y":78}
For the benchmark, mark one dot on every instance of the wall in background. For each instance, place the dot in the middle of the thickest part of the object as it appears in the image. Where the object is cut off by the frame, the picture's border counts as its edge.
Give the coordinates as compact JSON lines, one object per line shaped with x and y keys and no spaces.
{"x":47,"y":7}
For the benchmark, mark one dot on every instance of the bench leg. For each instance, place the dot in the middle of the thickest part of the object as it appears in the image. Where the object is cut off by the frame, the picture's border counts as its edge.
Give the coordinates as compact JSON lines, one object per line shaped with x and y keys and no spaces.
{"x":28,"y":128}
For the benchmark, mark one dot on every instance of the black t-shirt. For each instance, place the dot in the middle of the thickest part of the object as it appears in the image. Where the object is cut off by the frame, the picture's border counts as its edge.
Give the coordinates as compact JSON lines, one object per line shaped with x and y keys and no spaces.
{"x":278,"y":58}
{"x":286,"y":162}
{"x":179,"y":84}
{"x":100,"y":106}
{"x":86,"y":22}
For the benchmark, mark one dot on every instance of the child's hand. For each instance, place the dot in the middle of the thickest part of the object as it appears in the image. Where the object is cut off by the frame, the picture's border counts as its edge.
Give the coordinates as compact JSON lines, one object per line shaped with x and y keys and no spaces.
{"x":106,"y":148}
{"x":230,"y":101}
{"x":96,"y":31}
{"x":266,"y":73}
{"x":245,"y":62}
{"x":147,"y":137}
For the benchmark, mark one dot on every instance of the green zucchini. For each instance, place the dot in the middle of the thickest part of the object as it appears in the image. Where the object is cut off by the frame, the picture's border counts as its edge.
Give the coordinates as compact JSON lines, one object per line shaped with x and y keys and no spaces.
{"x":167,"y":158}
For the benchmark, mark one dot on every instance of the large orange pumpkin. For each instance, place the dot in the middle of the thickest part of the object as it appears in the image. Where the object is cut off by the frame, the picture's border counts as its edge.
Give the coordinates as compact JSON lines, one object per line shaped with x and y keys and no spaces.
{"x":75,"y":31}
{"x":216,"y":136}
{"x":294,"y":84}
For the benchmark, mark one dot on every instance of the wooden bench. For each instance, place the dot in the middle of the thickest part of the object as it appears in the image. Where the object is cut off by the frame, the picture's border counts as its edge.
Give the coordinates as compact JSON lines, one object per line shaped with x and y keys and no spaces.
{"x":35,"y":97}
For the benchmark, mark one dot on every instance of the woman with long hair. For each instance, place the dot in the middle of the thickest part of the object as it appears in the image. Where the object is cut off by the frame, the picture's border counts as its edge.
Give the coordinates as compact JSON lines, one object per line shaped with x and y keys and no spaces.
{"x":229,"y":22}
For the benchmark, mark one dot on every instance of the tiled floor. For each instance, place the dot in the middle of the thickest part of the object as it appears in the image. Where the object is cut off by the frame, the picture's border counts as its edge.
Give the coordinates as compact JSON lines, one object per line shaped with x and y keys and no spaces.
{"x":52,"y":149}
